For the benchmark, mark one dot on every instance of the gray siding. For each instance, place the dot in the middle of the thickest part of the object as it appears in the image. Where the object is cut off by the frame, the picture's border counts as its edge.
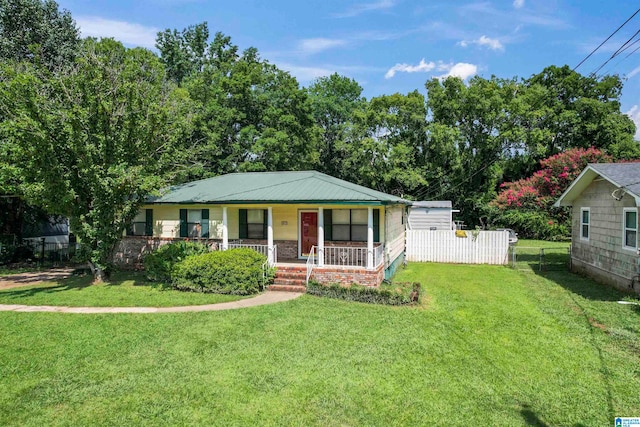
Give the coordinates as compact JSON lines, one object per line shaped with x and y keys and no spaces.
{"x":425,"y":218}
{"x":603,"y":256}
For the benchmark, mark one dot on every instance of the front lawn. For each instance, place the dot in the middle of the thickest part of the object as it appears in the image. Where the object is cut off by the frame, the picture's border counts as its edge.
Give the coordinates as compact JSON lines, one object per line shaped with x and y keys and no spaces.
{"x":127,"y":289}
{"x":488,"y":346}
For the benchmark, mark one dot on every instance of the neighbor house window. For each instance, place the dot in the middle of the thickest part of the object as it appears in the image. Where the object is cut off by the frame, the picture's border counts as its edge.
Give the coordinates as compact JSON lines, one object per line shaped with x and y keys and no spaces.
{"x":142,"y":224}
{"x":630,"y":228}
{"x":253,"y":224}
{"x":194,"y":223}
{"x":585,"y":223}
{"x":350,"y":225}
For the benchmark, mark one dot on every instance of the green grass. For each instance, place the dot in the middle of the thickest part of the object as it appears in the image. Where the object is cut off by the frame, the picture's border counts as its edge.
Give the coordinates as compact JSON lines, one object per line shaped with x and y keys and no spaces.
{"x":127,"y":289}
{"x":530,"y":243}
{"x":488,"y":346}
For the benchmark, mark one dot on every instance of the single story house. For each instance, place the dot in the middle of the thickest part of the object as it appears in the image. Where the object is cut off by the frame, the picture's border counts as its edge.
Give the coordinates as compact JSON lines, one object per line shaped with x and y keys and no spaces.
{"x":431,"y":215}
{"x":333,"y":230}
{"x":604,"y":227}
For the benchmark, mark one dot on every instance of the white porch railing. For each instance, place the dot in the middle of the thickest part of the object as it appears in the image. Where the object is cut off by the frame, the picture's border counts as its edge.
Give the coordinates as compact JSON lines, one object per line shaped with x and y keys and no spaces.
{"x":346,"y":256}
{"x":311,"y":262}
{"x":378,"y":255}
{"x":261,"y":249}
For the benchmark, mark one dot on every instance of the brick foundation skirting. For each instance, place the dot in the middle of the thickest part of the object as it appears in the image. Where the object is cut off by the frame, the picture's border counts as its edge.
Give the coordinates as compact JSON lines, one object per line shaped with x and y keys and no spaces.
{"x":348,"y":275}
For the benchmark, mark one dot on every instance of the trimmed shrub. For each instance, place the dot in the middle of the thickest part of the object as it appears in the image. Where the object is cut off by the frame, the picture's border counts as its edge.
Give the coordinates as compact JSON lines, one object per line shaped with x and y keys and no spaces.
{"x":359,"y":293}
{"x":235,"y":271}
{"x":159,"y":263}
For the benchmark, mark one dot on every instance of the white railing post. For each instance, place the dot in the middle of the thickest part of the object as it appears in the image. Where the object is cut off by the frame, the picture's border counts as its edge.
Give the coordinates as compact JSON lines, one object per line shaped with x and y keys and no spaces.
{"x":320,"y":237}
{"x":370,"y":238}
{"x":225,"y":229}
{"x":270,"y":255}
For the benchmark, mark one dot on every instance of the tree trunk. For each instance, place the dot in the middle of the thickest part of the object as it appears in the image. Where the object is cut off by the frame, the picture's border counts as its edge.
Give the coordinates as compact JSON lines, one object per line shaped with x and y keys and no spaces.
{"x":100,"y":275}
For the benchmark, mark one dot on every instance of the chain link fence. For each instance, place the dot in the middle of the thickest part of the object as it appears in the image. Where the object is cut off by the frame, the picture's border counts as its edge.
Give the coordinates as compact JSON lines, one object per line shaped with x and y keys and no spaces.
{"x":540,"y":259}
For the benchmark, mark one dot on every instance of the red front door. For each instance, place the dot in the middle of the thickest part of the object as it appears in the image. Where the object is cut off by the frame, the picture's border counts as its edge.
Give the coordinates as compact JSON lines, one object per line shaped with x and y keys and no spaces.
{"x":308,"y":231}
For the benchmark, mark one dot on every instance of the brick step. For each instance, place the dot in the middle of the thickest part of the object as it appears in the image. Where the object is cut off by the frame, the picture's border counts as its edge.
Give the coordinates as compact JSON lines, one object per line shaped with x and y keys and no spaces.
{"x":288,"y":281}
{"x":287,"y":288}
{"x":291,"y":275}
{"x":292,"y":268}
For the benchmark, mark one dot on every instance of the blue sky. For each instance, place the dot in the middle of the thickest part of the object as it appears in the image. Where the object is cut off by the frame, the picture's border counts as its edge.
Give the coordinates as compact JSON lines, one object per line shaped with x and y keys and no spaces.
{"x":393,"y":46}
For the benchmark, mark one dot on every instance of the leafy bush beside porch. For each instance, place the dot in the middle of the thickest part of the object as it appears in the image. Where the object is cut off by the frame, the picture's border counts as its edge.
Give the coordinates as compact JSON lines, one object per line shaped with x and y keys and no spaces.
{"x":235,"y":271}
{"x":159,"y":263}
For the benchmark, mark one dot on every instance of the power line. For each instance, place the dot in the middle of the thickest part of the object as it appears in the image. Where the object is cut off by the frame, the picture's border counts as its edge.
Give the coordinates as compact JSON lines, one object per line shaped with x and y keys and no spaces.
{"x":621,"y":49}
{"x":606,"y":40}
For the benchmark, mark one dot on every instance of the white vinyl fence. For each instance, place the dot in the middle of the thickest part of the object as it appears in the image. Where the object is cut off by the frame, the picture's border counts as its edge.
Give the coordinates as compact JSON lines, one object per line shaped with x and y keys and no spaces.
{"x":484,"y":247}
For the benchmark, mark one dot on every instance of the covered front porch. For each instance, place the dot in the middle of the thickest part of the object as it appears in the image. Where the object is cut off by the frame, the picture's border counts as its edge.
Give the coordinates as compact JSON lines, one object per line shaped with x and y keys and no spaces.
{"x":310,"y":246}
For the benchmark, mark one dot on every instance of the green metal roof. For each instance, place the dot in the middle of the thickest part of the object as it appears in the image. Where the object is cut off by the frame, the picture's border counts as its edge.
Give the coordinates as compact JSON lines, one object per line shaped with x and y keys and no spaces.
{"x":274,"y":187}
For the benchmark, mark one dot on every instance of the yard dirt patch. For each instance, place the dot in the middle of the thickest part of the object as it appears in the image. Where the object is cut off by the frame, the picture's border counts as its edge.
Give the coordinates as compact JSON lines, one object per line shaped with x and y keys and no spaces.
{"x":32,"y":278}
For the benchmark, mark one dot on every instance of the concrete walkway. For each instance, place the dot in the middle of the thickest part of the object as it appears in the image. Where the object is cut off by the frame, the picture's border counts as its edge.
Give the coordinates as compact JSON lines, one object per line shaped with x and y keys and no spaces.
{"x":269,"y":297}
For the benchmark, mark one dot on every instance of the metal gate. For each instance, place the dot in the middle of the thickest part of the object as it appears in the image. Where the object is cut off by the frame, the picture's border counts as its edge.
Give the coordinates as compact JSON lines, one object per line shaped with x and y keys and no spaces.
{"x":540,"y":259}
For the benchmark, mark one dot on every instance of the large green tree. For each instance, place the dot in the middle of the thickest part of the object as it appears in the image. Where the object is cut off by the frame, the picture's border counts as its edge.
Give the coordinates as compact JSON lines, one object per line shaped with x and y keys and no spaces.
{"x":334,"y":101}
{"x":34,"y":31}
{"x":249,"y":115}
{"x":37,"y":31}
{"x":92,"y":141}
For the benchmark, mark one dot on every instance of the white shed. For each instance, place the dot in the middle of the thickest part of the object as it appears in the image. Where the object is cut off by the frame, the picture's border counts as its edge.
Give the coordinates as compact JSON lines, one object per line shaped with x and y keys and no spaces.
{"x":431,"y":215}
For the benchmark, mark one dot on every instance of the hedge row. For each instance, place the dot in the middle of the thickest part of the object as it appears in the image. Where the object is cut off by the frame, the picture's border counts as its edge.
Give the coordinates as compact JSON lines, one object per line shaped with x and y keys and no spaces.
{"x":235,"y":271}
{"x":355,"y":292}
{"x":189,"y":266}
{"x":159,"y":263}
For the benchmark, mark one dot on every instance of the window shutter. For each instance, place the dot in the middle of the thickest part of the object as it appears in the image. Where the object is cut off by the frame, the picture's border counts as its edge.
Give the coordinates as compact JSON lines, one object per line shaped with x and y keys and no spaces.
{"x":243,"y":231}
{"x":204,"y":227}
{"x":265,"y":222}
{"x":328,"y":235}
{"x":376,"y":225}
{"x":183,"y":223}
{"x":148,"y":224}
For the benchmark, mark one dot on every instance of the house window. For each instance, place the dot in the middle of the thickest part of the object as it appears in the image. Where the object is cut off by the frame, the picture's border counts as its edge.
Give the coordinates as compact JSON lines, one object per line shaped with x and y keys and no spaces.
{"x":630,"y":228}
{"x":253,"y":223}
{"x":142,"y":224}
{"x":349,"y":225}
{"x":585,"y":223}
{"x":194,"y":223}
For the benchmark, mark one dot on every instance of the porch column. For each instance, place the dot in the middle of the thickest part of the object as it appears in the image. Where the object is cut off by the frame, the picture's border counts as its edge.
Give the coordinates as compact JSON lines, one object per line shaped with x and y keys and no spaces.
{"x":270,"y":258}
{"x":370,"y":238}
{"x":225,"y":230}
{"x":320,"y":237}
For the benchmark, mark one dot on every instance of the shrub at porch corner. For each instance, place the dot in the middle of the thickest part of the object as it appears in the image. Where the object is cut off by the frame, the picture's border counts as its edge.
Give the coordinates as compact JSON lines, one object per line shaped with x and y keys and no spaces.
{"x":159,"y":263}
{"x":235,"y":271}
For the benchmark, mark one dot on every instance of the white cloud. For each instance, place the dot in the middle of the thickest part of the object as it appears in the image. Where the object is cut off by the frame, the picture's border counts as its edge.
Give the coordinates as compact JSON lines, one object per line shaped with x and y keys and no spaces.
{"x":422,"y":67}
{"x":634,"y":114}
{"x":311,"y":46}
{"x":366,"y":7}
{"x":633,"y":72}
{"x":462,"y":70}
{"x":518,"y":4}
{"x":493,"y":44}
{"x":128,"y":33}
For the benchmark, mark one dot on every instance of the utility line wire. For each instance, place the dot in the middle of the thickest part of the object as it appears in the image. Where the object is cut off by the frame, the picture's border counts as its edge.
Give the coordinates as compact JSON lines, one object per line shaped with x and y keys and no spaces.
{"x":616,"y":53}
{"x":606,"y":40}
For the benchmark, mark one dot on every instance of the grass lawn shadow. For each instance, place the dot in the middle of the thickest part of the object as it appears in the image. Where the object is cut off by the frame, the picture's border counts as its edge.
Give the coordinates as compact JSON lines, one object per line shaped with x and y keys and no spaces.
{"x":531,"y":418}
{"x":60,"y":285}
{"x":586,"y":287}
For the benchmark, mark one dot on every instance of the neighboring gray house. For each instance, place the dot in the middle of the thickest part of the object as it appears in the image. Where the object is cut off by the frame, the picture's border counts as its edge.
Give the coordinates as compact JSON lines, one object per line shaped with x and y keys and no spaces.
{"x":431,"y":215}
{"x":604,"y":226}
